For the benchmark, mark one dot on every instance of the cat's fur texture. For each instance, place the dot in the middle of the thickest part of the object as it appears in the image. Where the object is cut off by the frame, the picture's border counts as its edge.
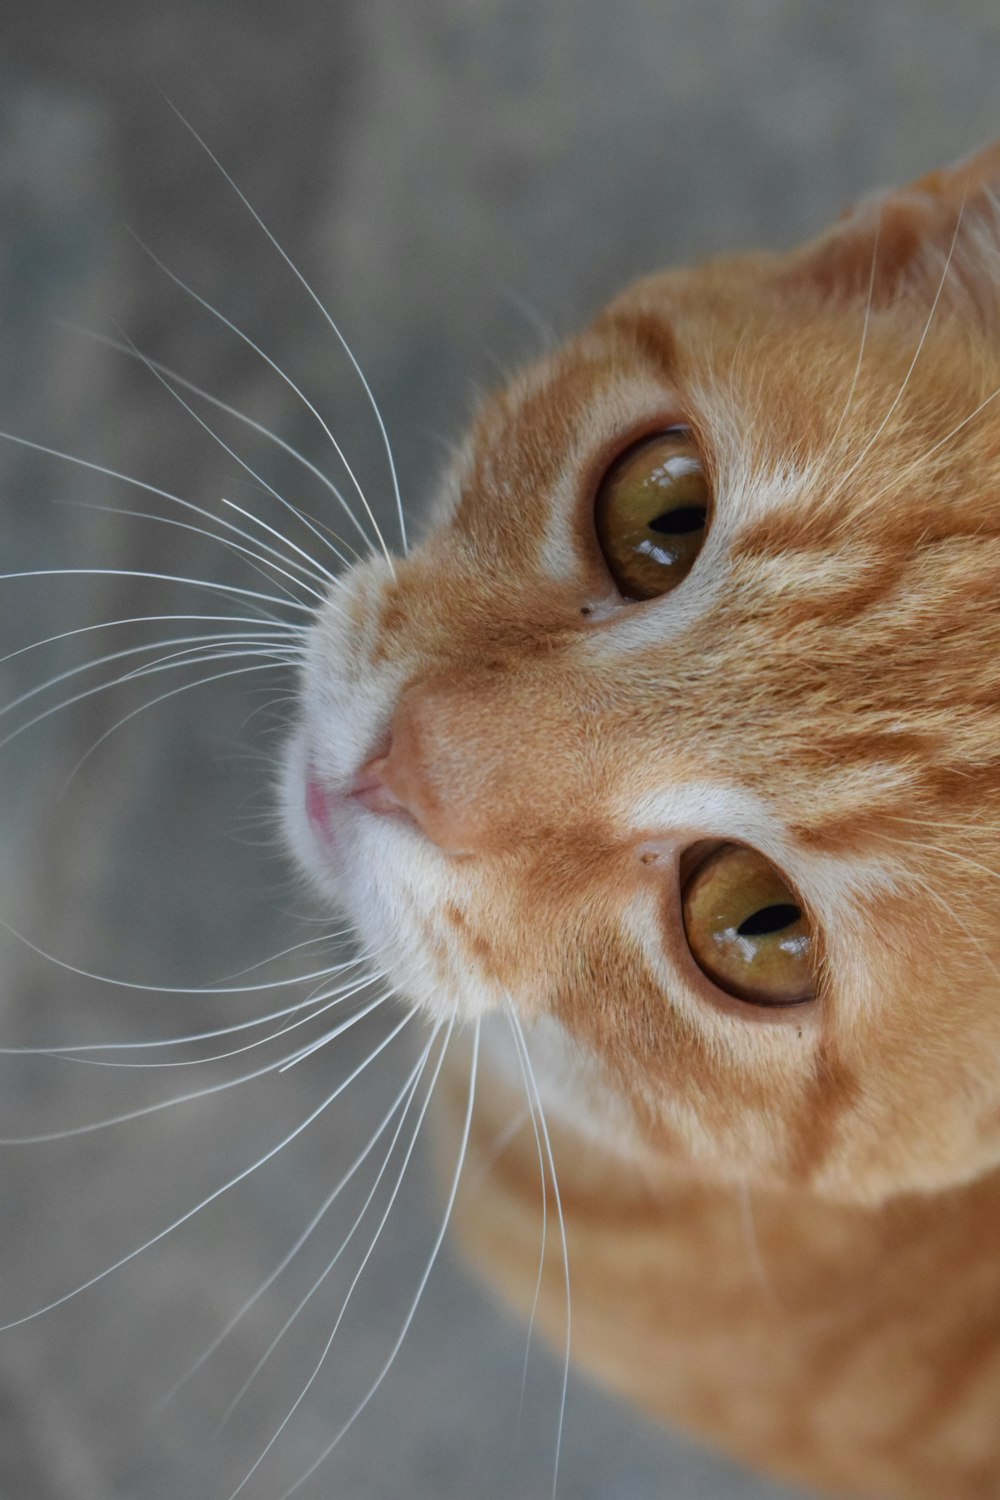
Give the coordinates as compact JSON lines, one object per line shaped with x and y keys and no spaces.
{"x":783,"y":1223}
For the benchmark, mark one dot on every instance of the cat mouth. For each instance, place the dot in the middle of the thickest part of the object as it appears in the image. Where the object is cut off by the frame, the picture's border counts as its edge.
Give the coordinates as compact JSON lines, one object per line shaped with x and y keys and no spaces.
{"x":326,"y":807}
{"x":320,"y":809}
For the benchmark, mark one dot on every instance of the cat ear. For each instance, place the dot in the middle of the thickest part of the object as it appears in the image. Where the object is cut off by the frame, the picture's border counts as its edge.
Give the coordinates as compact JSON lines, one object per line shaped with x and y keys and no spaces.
{"x":902,"y":241}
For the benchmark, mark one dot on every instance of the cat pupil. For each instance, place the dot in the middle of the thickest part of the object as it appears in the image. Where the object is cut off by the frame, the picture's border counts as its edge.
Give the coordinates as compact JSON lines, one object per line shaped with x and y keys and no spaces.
{"x":683,"y":519}
{"x":769,"y":919}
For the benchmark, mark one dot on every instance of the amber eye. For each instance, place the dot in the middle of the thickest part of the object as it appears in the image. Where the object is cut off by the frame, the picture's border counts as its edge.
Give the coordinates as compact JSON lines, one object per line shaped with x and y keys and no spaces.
{"x":651,"y":512}
{"x":747,"y":931}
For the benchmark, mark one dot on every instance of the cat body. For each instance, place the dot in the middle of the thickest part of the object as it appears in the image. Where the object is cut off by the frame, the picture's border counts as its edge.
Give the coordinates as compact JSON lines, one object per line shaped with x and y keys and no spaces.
{"x":851,"y":1350}
{"x":521,"y":766}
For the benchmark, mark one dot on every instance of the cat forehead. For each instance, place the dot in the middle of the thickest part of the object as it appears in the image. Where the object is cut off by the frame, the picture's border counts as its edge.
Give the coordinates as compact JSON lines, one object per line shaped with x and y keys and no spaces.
{"x":538,"y":449}
{"x":827,"y":445}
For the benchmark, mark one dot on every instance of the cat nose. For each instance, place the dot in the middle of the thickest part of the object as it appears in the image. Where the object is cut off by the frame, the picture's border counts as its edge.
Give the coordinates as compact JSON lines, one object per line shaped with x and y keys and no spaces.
{"x":373,"y":787}
{"x":402,"y":780}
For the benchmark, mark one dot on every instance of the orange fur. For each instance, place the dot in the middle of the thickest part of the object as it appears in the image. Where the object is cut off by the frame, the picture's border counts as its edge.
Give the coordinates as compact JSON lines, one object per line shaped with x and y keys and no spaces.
{"x":824,"y":687}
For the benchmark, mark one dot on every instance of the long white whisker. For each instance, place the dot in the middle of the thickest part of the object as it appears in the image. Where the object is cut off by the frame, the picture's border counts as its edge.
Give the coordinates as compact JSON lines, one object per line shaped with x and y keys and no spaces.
{"x":324,"y":937}
{"x":200,"y":583}
{"x":315,"y":569}
{"x":122,"y":655}
{"x":324,"y":313}
{"x":545,"y":1230}
{"x":218,"y":1192}
{"x":64,"y":635}
{"x":185,"y":687}
{"x":228,"y":323}
{"x":50,"y":1136}
{"x":104,"y":687}
{"x":315,"y":1008}
{"x":340,"y":1250}
{"x":163,"y":989}
{"x":964,"y":423}
{"x":77,"y":1048}
{"x":208,"y":651}
{"x":533,"y":1084}
{"x":147,"y":488}
{"x":405,"y":1093}
{"x":431,"y":1261}
{"x":255,"y":550}
{"x":134,"y":353}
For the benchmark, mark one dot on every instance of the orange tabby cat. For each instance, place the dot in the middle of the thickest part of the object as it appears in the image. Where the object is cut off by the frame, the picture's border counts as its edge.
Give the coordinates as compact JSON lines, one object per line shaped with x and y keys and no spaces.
{"x":678,"y":738}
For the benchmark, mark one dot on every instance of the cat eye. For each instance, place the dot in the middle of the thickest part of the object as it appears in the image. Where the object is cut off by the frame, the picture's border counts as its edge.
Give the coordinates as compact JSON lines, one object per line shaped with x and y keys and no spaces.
{"x":651,"y":513}
{"x":746,"y":929}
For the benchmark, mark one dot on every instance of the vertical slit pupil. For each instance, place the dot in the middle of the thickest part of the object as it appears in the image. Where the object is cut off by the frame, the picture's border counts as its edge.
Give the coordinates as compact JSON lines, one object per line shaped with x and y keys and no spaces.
{"x":770,"y":919}
{"x":680,"y":520}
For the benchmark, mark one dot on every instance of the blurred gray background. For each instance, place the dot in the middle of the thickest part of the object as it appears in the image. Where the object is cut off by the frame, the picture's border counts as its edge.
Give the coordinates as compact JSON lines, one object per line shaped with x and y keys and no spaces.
{"x":462,"y":180}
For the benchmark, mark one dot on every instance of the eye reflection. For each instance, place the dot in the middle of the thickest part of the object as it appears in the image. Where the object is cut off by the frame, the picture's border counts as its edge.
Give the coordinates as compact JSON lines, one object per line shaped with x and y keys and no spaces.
{"x":747,"y":931}
{"x":651,"y":513}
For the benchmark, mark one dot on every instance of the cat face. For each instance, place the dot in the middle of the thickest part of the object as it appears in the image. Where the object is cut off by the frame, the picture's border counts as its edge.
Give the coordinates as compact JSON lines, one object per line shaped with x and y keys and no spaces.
{"x":706,"y":777}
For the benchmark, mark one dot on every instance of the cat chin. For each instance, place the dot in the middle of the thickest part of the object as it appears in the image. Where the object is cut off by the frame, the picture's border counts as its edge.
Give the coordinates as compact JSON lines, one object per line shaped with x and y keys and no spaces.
{"x":388,"y":881}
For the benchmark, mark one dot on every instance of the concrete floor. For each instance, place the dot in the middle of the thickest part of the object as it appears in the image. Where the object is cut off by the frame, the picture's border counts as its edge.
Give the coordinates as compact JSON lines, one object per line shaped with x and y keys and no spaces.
{"x":461,"y":179}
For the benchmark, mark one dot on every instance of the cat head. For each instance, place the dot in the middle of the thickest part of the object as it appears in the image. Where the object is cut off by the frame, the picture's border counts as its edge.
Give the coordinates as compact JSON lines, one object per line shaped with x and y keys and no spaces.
{"x":681,"y":726}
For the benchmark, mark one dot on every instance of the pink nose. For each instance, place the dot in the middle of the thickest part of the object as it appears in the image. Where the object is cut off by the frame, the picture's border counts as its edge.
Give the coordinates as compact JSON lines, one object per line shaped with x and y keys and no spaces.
{"x":372,"y":787}
{"x":406,"y":780}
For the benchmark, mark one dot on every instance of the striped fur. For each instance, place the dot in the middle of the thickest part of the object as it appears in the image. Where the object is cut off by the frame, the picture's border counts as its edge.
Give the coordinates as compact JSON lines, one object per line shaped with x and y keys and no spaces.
{"x":782,"y":1222}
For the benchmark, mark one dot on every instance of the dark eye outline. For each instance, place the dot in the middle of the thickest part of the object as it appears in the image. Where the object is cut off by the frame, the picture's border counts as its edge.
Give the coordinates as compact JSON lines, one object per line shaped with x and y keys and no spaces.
{"x":691,"y":861}
{"x":670,"y":863}
{"x":610,"y":458}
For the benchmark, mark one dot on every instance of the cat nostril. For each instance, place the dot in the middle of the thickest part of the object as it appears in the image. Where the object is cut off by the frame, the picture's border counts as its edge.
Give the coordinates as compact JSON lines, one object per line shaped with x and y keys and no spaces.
{"x":372,"y":787}
{"x":398,"y":780}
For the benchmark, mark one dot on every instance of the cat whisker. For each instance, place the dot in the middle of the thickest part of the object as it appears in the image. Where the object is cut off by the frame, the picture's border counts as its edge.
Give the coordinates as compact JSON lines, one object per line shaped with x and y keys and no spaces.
{"x":314,"y":1006}
{"x":207,"y":637}
{"x":406,"y":1093}
{"x":255,"y":551}
{"x":330,"y":323}
{"x":411,"y":1311}
{"x":168,"y":380}
{"x":864,"y":335}
{"x":283,"y":663}
{"x":65,"y":635}
{"x":314,"y":1047}
{"x":50,"y":1137}
{"x":533,"y":1090}
{"x":322,"y":533}
{"x":201,"y":583}
{"x":102,"y":687}
{"x":163,"y":989}
{"x":226,"y":1187}
{"x":315,"y":568}
{"x":209,"y":651}
{"x":147,"y":488}
{"x":503,"y":1139}
{"x":853,"y":468}
{"x":303,"y":1303}
{"x":322,"y":575}
{"x":323,"y":937}
{"x":543,"y":1183}
{"x":281,"y":728}
{"x":964,"y":423}
{"x":273,"y":365}
{"x":75,"y":1049}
